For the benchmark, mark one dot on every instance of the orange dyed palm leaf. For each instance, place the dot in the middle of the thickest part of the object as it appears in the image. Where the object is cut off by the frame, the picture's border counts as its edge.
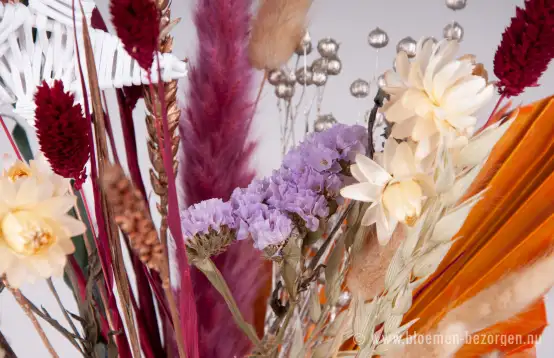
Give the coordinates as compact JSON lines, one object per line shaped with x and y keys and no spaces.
{"x":509,"y":228}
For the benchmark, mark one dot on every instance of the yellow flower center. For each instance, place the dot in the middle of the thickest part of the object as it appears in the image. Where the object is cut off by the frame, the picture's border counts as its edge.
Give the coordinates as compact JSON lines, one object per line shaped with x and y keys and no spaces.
{"x":26,"y":234}
{"x":403,"y":201}
{"x":17,"y":171}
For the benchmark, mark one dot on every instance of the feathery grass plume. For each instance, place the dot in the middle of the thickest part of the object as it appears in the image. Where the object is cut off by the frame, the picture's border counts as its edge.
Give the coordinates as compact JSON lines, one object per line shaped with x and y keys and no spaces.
{"x":62,"y":132}
{"x":215,"y":157}
{"x":498,"y":303}
{"x":138,"y":26}
{"x":526,"y":47}
{"x":276,"y":32}
{"x":370,"y":265}
{"x":132,"y":217}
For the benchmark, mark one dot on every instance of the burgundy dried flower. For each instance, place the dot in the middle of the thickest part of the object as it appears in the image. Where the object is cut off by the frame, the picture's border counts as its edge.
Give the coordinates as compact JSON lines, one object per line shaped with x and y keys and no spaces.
{"x":96,"y":20}
{"x":138,"y":26}
{"x":62,"y":132}
{"x":132,"y":95}
{"x":526,"y":48}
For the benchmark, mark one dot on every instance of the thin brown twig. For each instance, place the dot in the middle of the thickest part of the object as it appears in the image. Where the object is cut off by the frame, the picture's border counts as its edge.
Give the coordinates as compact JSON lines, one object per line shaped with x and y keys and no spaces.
{"x":55,"y":324}
{"x":258,"y":96}
{"x":23,"y":304}
{"x":6,"y":348}
{"x":101,"y":287}
{"x":62,"y":308}
{"x":122,"y":280}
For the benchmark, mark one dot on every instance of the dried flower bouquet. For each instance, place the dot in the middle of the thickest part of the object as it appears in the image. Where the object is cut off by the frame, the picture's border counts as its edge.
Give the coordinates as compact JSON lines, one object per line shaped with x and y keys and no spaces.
{"x":345,"y":250}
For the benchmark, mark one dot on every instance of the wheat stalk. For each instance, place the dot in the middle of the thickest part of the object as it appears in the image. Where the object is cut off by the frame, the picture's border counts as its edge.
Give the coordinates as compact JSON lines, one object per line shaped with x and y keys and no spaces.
{"x":158,"y":176}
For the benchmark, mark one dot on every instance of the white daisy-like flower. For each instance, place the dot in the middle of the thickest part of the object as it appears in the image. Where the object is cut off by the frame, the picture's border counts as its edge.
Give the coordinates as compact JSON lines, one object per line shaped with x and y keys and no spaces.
{"x":397,"y":190}
{"x":434,"y":98}
{"x":38,"y":168}
{"x":35,"y":230}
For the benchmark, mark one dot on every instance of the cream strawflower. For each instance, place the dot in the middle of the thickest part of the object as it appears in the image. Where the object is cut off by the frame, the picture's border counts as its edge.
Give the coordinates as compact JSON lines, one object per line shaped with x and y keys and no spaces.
{"x":38,"y":168}
{"x":35,"y":230}
{"x":396,"y":190}
{"x":433,"y":99}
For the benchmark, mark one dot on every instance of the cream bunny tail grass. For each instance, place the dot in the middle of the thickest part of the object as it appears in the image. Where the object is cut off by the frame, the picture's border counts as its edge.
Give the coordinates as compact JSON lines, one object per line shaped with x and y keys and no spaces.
{"x":276,"y":32}
{"x":497,"y":303}
{"x":505,"y":299}
{"x":370,"y":265}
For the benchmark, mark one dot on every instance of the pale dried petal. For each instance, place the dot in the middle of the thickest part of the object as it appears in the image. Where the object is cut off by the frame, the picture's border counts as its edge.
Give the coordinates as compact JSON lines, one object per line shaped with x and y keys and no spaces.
{"x":447,"y":227}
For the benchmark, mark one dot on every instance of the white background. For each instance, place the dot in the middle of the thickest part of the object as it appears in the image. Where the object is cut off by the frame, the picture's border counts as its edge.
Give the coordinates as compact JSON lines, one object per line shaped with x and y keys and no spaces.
{"x":349,"y":22}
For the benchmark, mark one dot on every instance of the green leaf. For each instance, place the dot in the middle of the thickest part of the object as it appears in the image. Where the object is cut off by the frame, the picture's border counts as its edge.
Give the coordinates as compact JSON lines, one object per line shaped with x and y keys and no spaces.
{"x":20,"y":137}
{"x":332,"y":275}
{"x":81,"y":254}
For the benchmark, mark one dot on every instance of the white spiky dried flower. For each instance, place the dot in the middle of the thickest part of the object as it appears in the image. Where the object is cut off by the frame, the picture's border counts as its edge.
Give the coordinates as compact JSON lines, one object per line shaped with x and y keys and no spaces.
{"x":397,"y":189}
{"x":35,"y":229}
{"x":434,"y":98}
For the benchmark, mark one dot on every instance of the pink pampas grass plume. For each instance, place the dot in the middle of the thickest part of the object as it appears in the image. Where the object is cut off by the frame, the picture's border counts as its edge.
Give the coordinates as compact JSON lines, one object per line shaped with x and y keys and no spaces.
{"x":215,"y":160}
{"x":216,"y":149}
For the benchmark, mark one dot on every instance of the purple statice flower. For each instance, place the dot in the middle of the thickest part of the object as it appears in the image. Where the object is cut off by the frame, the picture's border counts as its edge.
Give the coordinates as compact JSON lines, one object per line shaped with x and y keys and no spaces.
{"x":311,"y":155}
{"x":255,"y":219}
{"x":287,"y":195}
{"x":345,"y":140}
{"x":270,"y":227}
{"x":310,"y":177}
{"x":208,"y":214}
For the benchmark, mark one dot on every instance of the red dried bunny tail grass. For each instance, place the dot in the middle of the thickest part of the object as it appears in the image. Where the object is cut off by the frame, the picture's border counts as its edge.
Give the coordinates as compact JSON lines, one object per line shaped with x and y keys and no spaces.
{"x":62,"y":132}
{"x":138,"y":26}
{"x":215,"y":159}
{"x":526,"y":48}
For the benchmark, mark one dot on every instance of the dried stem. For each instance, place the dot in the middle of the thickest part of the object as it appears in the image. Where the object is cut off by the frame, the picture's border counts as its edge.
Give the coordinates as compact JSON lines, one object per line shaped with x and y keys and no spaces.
{"x":62,"y":308}
{"x":6,"y":348}
{"x":158,"y":176}
{"x":152,"y":101}
{"x":134,"y":220}
{"x":23,"y":304}
{"x":122,"y":280}
{"x":215,"y":277}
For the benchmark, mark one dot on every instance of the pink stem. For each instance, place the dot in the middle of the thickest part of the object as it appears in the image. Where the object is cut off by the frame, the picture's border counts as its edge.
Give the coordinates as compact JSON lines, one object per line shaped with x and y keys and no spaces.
{"x":101,"y":241}
{"x":10,"y":138}
{"x":188,"y":312}
{"x":500,"y":99}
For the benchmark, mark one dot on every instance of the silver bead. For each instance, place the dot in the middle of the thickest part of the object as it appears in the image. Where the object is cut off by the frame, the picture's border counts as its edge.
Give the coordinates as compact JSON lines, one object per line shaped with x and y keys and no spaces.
{"x":304,"y":78}
{"x":381,"y":81}
{"x":456,"y":4}
{"x":430,"y":38}
{"x":344,"y":299}
{"x":319,"y":78}
{"x":324,"y":122}
{"x":328,"y":47}
{"x":359,"y":88}
{"x":284,"y":91}
{"x":334,"y":66}
{"x":290,"y":78}
{"x":275,"y":77}
{"x":305,"y":46}
{"x":408,"y":45}
{"x":453,"y":31}
{"x":378,"y":38}
{"x":319,"y":65}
